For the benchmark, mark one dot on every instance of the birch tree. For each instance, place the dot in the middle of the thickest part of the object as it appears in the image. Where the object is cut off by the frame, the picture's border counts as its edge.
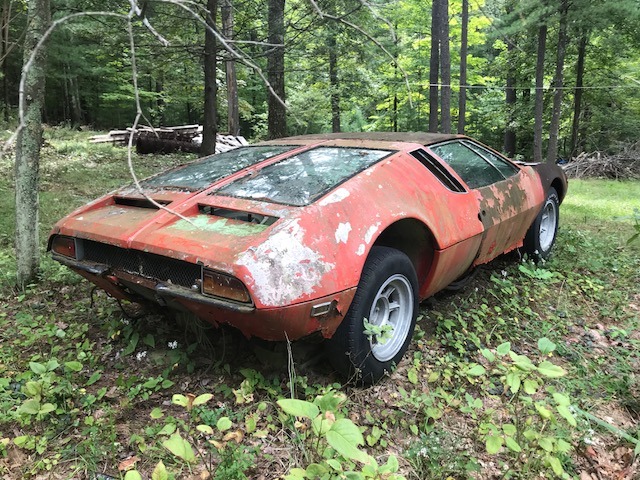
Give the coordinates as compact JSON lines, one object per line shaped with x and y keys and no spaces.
{"x":28,"y":144}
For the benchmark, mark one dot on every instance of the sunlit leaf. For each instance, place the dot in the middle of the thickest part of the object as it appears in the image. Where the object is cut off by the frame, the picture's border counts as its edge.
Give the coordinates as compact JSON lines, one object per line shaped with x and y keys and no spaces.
{"x":160,"y":472}
{"x":223,"y":424}
{"x":493,"y":444}
{"x":546,"y":346}
{"x":503,"y":348}
{"x":476,"y":370}
{"x":73,"y":366}
{"x":345,"y":437}
{"x":202,"y":399}
{"x":550,"y":370}
{"x":512,"y":445}
{"x":179,"y":447}
{"x":298,"y":408}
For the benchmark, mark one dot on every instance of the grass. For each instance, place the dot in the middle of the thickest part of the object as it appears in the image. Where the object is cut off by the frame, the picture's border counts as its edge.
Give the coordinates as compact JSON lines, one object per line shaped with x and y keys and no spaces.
{"x":88,"y":388}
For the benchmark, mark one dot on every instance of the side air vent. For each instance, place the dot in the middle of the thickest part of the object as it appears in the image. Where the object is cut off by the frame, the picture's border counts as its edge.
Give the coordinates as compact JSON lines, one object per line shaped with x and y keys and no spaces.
{"x":237,"y":215}
{"x":139,"y":202}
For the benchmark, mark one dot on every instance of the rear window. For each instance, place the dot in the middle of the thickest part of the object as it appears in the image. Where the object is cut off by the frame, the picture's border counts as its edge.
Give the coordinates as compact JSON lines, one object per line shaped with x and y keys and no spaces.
{"x":201,"y":173}
{"x":301,"y":179}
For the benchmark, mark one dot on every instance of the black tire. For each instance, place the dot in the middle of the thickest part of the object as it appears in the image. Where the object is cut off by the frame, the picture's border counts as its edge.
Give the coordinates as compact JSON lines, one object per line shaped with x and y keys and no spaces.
{"x":387,"y":292}
{"x":541,"y":236}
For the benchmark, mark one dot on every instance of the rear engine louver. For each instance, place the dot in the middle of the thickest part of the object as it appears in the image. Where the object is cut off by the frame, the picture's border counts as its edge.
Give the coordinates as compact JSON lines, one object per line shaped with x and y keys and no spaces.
{"x":237,"y":215}
{"x":139,"y":202}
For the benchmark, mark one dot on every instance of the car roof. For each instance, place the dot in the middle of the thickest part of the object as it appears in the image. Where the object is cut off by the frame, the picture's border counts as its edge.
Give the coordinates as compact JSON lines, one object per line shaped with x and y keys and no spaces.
{"x":422,"y":138}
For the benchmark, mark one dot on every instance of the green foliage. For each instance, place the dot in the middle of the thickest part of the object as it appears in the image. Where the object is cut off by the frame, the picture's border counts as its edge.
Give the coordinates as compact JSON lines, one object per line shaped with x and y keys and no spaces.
{"x":439,"y":454}
{"x":334,"y":441}
{"x":535,"y":411}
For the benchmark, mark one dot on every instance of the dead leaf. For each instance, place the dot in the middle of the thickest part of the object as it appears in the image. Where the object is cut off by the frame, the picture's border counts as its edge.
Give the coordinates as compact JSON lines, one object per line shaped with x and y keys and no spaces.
{"x":128,"y":463}
{"x":591,"y":452}
{"x":236,"y":436}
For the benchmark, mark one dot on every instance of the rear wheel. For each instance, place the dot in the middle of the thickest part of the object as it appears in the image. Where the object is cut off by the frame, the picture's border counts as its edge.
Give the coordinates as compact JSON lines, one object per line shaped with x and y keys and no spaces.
{"x":542,"y":233}
{"x":378,"y":327}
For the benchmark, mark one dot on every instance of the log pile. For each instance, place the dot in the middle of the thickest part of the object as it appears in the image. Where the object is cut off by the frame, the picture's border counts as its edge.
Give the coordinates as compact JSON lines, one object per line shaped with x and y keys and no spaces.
{"x":184,"y":138}
{"x":621,"y":166}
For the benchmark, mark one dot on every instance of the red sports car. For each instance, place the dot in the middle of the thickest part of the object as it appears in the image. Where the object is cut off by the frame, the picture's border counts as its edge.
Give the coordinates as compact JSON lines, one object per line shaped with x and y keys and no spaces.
{"x":341,"y":234}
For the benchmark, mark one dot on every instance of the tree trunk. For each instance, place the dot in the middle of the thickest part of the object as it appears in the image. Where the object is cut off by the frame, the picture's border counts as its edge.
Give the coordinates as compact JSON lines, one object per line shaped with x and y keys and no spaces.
{"x":28,"y":147}
{"x":462,"y":101}
{"x":160,"y":98}
{"x":233,"y":113}
{"x":445,"y":67}
{"x":277,"y":115}
{"x":209,"y":127}
{"x":434,"y":66}
{"x":554,"y":128}
{"x":539,"y":105}
{"x":511,"y":97}
{"x":76,"y":102}
{"x":5,"y":19}
{"x":577,"y":99}
{"x":335,"y":85}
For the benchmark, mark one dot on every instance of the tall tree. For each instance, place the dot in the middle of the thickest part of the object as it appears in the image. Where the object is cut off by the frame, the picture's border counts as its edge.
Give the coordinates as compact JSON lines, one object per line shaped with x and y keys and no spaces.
{"x":445,"y":67}
{"x":577,"y":97}
{"x":558,"y":81}
{"x":233,"y":114}
{"x":539,"y":99}
{"x":277,"y":115}
{"x":28,"y":144}
{"x":434,"y":65}
{"x":464,"y":47}
{"x":209,"y":127}
{"x":510,"y":94}
{"x":335,"y":85}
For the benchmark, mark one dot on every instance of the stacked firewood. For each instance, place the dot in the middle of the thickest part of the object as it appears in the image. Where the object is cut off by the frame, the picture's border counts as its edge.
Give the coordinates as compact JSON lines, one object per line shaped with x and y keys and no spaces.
{"x":185,"y":138}
{"x":624,"y":165}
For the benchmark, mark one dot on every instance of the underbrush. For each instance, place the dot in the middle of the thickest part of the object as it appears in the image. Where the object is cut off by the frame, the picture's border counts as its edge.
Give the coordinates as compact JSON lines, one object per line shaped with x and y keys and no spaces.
{"x":531,"y":371}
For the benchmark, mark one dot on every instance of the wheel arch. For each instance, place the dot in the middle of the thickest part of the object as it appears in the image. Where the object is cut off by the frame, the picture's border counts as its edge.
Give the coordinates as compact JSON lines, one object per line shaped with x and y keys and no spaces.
{"x":413,"y":238}
{"x":559,"y":185}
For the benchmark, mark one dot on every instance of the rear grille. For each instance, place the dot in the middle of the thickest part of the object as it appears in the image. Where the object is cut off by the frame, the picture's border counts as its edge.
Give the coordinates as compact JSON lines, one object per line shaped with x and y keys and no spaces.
{"x":136,"y":262}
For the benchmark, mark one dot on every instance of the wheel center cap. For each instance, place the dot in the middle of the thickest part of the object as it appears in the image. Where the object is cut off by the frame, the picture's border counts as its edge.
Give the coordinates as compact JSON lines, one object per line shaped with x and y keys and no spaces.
{"x":382,"y":311}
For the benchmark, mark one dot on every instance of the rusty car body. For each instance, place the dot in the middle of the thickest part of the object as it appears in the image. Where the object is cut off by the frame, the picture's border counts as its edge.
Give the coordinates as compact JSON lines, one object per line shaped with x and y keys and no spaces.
{"x":341,"y":234}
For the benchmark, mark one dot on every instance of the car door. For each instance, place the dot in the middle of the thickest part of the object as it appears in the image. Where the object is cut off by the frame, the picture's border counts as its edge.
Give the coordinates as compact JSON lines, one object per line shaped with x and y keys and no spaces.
{"x":504,"y":205}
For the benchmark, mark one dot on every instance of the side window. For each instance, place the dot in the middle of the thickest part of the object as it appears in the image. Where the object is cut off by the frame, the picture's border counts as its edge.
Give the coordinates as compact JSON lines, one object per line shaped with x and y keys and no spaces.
{"x":438,"y":170}
{"x":501,"y":164}
{"x":472,"y":168}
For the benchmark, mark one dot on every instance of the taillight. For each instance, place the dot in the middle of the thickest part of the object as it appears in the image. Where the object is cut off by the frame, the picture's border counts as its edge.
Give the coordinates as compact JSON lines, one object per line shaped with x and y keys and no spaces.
{"x":64,"y":246}
{"x":224,"y":286}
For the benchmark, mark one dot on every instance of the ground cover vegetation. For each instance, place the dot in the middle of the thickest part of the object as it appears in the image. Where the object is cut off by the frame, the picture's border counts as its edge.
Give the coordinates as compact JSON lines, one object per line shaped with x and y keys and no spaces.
{"x":530,"y":371}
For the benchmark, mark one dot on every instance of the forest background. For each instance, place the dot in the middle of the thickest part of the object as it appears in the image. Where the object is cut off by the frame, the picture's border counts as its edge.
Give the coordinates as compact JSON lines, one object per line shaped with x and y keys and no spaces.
{"x":348,"y":65}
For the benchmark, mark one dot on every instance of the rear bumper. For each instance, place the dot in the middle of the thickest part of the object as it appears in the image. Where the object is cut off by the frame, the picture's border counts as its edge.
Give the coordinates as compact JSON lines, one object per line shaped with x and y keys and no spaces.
{"x":290,"y":322}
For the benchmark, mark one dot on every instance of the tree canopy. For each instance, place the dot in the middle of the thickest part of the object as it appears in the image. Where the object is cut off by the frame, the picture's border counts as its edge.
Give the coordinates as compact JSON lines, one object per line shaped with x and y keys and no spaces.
{"x":349,"y":65}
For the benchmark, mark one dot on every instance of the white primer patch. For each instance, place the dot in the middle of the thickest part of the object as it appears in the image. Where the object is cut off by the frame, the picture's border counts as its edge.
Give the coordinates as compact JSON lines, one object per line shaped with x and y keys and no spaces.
{"x":360,"y":250}
{"x":335,"y":197}
{"x":283,"y":268}
{"x":371,"y":232}
{"x":342,"y":233}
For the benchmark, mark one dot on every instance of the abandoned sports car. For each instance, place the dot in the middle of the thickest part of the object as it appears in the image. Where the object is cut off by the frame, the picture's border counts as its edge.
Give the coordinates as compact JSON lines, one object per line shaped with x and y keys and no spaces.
{"x":340,"y":235}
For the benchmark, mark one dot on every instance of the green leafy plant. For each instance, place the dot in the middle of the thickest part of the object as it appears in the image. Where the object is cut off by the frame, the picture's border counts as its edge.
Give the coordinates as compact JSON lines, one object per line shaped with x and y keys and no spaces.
{"x":539,"y":413}
{"x":439,"y":454}
{"x":378,"y":333}
{"x":335,"y":442}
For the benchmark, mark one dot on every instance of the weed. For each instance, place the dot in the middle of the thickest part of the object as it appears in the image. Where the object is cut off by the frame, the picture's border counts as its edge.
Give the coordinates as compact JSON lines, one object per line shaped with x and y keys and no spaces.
{"x":439,"y":454}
